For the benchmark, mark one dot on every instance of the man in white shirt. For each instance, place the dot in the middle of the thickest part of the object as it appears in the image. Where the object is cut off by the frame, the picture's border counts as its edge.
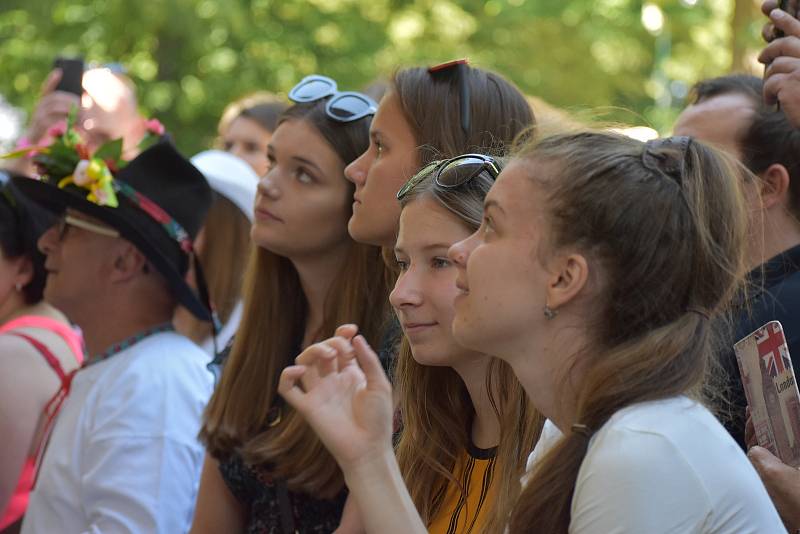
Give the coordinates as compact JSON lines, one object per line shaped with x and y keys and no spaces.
{"x":123,"y":456}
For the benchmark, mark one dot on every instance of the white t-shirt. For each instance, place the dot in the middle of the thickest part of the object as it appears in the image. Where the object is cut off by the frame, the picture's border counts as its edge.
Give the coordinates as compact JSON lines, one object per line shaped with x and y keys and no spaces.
{"x":124,"y":455}
{"x":665,"y":467}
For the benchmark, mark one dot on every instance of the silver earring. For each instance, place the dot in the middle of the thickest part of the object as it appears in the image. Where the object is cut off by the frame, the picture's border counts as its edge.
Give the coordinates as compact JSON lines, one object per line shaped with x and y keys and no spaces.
{"x":549,"y":313}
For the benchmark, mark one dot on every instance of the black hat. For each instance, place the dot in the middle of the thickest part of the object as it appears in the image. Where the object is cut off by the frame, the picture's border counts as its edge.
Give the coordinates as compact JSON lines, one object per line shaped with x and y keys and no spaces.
{"x":162,"y":201}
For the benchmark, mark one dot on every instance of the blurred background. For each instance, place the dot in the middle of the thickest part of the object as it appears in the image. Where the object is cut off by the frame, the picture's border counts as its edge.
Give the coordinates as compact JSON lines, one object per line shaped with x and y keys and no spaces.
{"x":617,"y":60}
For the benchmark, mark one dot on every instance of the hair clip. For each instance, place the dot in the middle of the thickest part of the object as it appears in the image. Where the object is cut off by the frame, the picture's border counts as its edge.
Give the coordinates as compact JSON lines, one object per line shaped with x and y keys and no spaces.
{"x":656,"y":159}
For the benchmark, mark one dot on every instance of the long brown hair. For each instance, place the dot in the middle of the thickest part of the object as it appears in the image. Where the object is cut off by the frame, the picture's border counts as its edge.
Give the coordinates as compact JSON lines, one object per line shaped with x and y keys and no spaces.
{"x":226,"y":247}
{"x":667,"y":225}
{"x":241,"y":416}
{"x":436,"y":407}
{"x":430,"y":103}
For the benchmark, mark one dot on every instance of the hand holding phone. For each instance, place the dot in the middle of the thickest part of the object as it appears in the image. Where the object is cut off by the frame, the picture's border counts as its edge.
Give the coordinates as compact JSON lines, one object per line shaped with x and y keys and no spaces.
{"x":71,"y":75}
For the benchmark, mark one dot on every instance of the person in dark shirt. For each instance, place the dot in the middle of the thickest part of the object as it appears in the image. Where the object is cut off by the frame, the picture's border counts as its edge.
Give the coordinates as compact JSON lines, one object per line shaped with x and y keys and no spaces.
{"x":730,"y":113}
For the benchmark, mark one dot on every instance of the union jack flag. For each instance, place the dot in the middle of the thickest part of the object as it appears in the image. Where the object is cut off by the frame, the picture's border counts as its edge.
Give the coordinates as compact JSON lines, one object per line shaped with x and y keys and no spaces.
{"x":772,"y":349}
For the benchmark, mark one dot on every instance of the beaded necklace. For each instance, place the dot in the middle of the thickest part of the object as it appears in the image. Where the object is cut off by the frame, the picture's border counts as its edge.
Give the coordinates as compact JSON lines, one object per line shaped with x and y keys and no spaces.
{"x":128,"y":342}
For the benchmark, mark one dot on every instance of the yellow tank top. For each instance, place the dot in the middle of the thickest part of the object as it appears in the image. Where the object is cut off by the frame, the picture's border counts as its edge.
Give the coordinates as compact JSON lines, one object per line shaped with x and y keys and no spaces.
{"x":462,"y":514}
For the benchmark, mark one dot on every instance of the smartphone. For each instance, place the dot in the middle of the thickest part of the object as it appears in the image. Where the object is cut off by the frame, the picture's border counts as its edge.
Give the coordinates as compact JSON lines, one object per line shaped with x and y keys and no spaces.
{"x":71,"y":75}
{"x":791,"y":7}
{"x":771,"y":390}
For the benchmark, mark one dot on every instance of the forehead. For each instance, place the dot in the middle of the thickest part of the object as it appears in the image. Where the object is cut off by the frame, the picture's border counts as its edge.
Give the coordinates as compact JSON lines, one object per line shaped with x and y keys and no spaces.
{"x":720,"y":121}
{"x":389,"y":116}
{"x":424,"y":222}
{"x":298,"y":138}
{"x":514,"y":191}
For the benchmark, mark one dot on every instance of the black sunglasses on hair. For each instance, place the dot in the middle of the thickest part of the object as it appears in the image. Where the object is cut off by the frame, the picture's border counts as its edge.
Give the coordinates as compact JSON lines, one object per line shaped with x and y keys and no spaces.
{"x":453,"y":172}
{"x":460,"y":66}
{"x":345,"y":106}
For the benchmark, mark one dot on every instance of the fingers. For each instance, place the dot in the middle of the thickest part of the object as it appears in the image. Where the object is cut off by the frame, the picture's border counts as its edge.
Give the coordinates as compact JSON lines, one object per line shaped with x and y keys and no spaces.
{"x":784,"y":64}
{"x":785,"y":22}
{"x":289,"y":388}
{"x":370,"y":365}
{"x":768,"y":32}
{"x":347,"y":331}
{"x":51,"y":82}
{"x":768,"y":5}
{"x":765,"y":462}
{"x":785,"y":46}
{"x":773,"y":86}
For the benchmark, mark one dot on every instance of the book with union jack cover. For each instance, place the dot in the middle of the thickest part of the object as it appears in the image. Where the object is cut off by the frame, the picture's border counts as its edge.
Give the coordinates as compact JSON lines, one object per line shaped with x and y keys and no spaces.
{"x":771,"y":390}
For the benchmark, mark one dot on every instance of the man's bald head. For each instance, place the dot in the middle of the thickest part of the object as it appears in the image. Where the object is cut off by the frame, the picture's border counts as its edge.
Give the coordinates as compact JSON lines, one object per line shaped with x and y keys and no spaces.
{"x":109,"y":110}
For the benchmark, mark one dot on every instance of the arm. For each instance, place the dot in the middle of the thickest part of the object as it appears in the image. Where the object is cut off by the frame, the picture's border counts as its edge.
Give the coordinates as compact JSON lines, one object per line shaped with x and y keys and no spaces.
{"x":217,"y":509}
{"x":25,"y":381}
{"x":349,"y":405}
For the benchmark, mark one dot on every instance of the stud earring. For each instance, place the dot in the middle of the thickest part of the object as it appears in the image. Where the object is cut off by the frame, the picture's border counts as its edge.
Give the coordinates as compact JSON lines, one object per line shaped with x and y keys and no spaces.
{"x":549,"y":313}
{"x":18,"y":286}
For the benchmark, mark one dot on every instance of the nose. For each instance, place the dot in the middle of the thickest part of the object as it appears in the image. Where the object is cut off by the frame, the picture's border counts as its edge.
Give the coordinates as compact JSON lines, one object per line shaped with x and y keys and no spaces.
{"x":459,"y":252}
{"x":357,"y":170}
{"x":49,"y":240}
{"x":406,"y":292}
{"x":267,"y":186}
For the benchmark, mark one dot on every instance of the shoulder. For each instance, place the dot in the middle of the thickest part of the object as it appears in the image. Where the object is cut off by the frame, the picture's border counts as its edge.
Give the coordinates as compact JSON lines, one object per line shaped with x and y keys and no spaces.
{"x":670,"y":464}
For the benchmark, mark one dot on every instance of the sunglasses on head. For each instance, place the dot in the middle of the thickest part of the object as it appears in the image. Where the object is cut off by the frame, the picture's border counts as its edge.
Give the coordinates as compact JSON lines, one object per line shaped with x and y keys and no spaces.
{"x":345,"y":106}
{"x":459,"y":67}
{"x":453,"y":172}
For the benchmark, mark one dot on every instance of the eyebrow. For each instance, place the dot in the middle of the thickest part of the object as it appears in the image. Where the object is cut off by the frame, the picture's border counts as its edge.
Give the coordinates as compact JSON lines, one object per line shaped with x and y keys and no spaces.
{"x":426,"y":248}
{"x":309,"y":163}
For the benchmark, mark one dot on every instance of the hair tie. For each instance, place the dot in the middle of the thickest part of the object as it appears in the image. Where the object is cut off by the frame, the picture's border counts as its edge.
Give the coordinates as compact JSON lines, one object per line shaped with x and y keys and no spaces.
{"x":657,"y":159}
{"x":583,"y":430}
{"x":699,"y":311}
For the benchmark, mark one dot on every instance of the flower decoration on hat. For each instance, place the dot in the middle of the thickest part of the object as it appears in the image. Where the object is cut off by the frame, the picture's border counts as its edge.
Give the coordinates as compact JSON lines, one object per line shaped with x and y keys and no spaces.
{"x":67,"y":160}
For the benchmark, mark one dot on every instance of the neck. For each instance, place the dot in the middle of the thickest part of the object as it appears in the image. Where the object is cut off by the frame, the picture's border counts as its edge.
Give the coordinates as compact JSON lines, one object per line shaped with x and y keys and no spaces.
{"x":9,"y":312}
{"x":779,"y":233}
{"x":549,"y":379}
{"x":102,"y":330}
{"x":12,"y":306}
{"x":485,"y":426}
{"x":317,"y":275}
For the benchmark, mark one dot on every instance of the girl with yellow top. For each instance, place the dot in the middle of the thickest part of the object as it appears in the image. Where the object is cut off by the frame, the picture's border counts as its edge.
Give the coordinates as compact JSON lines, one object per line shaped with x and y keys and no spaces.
{"x":466,"y":426}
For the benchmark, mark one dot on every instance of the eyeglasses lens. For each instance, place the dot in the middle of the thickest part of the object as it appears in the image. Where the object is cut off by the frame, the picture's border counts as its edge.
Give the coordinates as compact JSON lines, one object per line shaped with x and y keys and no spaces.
{"x":312,"y":90}
{"x":460,"y":171}
{"x":347,"y":106}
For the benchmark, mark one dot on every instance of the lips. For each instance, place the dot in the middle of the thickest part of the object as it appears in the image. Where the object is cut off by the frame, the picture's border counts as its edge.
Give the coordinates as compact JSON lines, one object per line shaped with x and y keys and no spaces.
{"x":264,"y":214}
{"x":417,"y":327}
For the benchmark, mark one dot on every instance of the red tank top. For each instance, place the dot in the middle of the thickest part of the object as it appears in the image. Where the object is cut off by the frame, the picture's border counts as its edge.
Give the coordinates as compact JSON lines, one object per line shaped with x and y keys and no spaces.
{"x":19,"y":501}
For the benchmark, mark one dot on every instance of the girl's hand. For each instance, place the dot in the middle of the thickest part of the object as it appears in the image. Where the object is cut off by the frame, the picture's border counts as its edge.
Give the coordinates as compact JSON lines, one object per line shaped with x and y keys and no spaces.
{"x":346,"y":398}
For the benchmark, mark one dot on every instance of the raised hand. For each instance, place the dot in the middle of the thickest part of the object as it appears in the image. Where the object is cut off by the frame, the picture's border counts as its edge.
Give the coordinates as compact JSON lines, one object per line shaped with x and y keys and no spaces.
{"x":346,"y":398}
{"x":52,"y":107}
{"x":782,"y":57}
{"x":782,"y":482}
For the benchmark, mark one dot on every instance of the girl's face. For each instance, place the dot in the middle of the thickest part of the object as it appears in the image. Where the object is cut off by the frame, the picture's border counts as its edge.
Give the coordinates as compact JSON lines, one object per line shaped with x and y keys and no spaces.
{"x":380,"y":172}
{"x":501,"y":280}
{"x":425,"y":290}
{"x":303,"y":201}
{"x":245,"y":138}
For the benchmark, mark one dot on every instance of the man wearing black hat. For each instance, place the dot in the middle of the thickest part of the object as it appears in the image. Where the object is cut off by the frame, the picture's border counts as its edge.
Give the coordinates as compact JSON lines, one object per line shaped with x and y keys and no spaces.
{"x":123,"y":456}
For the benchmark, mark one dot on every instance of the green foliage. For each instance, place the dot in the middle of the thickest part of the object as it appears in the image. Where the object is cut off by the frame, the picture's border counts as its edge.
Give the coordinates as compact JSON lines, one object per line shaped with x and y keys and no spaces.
{"x":189,"y":58}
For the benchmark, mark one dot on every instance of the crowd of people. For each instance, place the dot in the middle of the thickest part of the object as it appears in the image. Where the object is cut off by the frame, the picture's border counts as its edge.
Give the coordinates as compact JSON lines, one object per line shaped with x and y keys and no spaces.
{"x":400,"y":310}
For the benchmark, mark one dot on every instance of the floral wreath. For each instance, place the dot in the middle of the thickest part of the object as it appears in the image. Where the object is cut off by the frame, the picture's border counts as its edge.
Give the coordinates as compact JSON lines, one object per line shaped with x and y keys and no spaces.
{"x":67,"y":161}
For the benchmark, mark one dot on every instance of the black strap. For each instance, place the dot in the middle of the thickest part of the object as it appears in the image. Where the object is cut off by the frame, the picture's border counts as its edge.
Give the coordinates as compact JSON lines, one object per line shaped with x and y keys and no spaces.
{"x":285,"y":504}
